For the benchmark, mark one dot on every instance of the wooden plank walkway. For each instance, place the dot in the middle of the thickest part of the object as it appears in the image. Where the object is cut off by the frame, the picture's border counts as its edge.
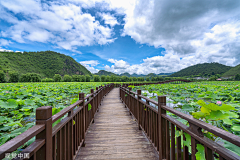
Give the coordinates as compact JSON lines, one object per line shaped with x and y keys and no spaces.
{"x":115,"y":134}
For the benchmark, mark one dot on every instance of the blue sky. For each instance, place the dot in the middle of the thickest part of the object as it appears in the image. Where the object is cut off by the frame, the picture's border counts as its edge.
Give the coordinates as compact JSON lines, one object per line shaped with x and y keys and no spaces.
{"x":138,"y":36}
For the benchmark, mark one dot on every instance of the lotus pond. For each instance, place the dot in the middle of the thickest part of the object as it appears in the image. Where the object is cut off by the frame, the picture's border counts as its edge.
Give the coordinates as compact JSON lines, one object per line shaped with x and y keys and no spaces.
{"x":18,"y":102}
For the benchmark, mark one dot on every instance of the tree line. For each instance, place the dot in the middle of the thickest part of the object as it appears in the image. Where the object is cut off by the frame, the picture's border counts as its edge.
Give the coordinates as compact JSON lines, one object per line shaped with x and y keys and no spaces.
{"x":34,"y":77}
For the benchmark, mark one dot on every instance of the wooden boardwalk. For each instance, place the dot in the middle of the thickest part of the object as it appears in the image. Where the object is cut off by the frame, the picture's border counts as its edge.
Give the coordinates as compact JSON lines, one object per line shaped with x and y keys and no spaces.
{"x":115,"y":134}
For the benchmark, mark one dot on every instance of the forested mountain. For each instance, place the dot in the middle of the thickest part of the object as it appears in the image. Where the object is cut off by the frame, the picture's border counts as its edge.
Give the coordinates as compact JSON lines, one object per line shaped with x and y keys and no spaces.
{"x":47,"y":63}
{"x":167,"y":74}
{"x":233,"y":71}
{"x":105,"y":73}
{"x":125,"y":74}
{"x":202,"y":70}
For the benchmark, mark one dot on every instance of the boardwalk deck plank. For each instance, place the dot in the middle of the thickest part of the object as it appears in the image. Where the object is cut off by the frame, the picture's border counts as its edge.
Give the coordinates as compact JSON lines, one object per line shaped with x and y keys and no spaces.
{"x":115,"y":134}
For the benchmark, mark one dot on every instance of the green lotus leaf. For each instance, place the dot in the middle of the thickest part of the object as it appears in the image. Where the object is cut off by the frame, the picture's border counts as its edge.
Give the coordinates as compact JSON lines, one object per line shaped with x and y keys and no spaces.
{"x":198,"y":115}
{"x":29,"y":102}
{"x":217,"y":115}
{"x":11,"y":103}
{"x":236,"y":127}
{"x":200,"y":155}
{"x":228,"y":121}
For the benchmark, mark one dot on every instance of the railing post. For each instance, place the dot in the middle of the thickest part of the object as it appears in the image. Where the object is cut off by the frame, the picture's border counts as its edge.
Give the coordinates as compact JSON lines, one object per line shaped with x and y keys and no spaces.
{"x":81,"y":97}
{"x":93,"y":105}
{"x":129,"y":100}
{"x":162,"y":127}
{"x":97,"y":98}
{"x":44,"y":116}
{"x":138,"y":107}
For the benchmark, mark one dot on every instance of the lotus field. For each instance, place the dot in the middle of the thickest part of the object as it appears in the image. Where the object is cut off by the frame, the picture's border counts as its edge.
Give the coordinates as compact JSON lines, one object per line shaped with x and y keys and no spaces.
{"x":216,"y":103}
{"x":18,"y":102}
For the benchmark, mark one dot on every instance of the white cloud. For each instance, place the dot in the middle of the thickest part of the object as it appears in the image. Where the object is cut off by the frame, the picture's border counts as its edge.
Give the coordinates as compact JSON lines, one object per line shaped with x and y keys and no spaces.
{"x":90,"y":65}
{"x":108,"y":19}
{"x":63,"y":24}
{"x":207,"y":29}
{"x":91,"y":62}
{"x":4,"y":42}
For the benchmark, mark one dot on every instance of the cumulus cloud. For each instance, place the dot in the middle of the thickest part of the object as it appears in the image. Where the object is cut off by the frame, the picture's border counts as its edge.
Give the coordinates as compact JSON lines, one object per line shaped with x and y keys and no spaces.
{"x":4,"y":42}
{"x":64,"y":25}
{"x":108,"y":19}
{"x":90,"y":65}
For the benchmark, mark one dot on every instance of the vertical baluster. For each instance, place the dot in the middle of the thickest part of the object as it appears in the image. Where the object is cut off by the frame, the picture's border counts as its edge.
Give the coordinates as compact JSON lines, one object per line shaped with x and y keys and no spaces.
{"x":167,"y":141}
{"x":179,"y":156}
{"x":130,"y":100}
{"x":83,"y":119}
{"x":172,"y":141}
{"x":92,"y":103}
{"x":162,"y":127}
{"x":208,"y":153}
{"x":154,"y":128}
{"x":138,"y":108}
{"x":59,"y":145}
{"x":64,"y":144}
{"x":150,"y":126}
{"x":54,"y":147}
{"x":193,"y":146}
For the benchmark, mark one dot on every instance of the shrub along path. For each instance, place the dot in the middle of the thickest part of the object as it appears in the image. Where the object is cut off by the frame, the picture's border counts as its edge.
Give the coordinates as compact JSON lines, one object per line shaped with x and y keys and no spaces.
{"x":115,"y":134}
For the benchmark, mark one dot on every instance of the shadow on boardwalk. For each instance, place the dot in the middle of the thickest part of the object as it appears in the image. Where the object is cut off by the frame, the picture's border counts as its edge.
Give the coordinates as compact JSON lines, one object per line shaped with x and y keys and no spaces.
{"x":115,"y":134}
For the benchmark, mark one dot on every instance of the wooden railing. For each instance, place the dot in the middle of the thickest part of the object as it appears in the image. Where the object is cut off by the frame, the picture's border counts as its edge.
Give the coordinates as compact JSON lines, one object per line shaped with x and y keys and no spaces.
{"x":160,"y":129}
{"x":63,"y":141}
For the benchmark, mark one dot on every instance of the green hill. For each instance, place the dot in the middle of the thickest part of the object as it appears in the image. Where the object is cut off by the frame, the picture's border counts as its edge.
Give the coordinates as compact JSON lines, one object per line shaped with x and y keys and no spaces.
{"x":233,"y":71}
{"x":105,"y":73}
{"x":202,"y":69}
{"x":125,"y":74}
{"x":47,"y":63}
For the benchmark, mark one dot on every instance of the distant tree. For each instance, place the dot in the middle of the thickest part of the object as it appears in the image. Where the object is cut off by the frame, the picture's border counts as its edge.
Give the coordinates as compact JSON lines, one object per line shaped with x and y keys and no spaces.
{"x":107,"y":78}
{"x":140,"y":79}
{"x":30,"y":77}
{"x":124,"y":78}
{"x":2,"y":77}
{"x":67,"y":78}
{"x":154,"y":79}
{"x":147,"y":79}
{"x":167,"y":78}
{"x":35,"y":77}
{"x":103,"y":78}
{"x":14,"y":76}
{"x":96,"y":78}
{"x":213,"y":78}
{"x":76,"y":78}
{"x":160,"y":78}
{"x":57,"y":78}
{"x":237,"y":77}
{"x":83,"y":78}
{"x":113,"y":78}
{"x":134,"y":79}
{"x":217,"y":75}
{"x":25,"y":78}
{"x":88,"y":78}
{"x":48,"y":80}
